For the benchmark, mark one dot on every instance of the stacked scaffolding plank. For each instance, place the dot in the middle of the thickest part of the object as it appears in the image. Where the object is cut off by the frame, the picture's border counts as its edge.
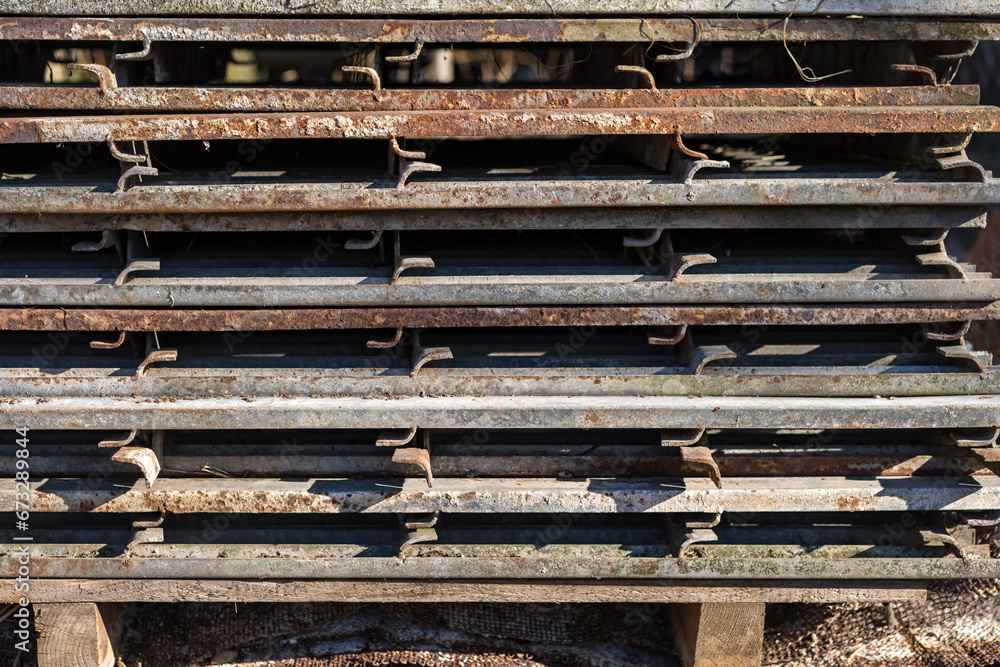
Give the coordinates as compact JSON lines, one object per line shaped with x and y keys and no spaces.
{"x":473,"y":302}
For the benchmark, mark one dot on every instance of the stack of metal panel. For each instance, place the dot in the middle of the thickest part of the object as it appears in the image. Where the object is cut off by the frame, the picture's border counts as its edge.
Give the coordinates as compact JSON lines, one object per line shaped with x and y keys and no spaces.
{"x":473,"y":301}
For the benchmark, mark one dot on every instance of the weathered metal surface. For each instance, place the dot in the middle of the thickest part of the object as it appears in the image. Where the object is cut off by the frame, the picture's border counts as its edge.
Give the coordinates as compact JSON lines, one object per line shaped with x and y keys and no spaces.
{"x":323,"y":496}
{"x":181,"y":384}
{"x":622,"y":218}
{"x":481,"y":191}
{"x":319,"y":30}
{"x":958,"y":8}
{"x":379,"y":291}
{"x":582,"y":412}
{"x":496,"y":123}
{"x":84,"y":319}
{"x":169,"y":99}
{"x":292,"y":383}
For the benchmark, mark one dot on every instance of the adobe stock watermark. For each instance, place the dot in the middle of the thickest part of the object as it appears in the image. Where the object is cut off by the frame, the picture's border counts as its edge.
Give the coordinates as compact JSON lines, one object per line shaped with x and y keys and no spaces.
{"x":22,"y":513}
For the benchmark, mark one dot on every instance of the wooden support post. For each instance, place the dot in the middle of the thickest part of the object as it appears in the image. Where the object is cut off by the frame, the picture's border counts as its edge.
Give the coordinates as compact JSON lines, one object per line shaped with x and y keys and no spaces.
{"x":75,"y":634}
{"x":719,"y":634}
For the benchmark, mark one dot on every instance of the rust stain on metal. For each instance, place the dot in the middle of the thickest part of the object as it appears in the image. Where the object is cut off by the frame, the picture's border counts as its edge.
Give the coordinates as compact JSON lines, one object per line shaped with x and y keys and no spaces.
{"x":496,"y":123}
{"x":163,"y":99}
{"x":117,"y":320}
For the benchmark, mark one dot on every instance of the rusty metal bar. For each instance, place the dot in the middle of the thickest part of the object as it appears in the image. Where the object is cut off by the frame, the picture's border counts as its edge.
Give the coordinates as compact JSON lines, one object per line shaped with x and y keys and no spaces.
{"x":585,"y":412}
{"x":62,"y":319}
{"x":319,"y":30}
{"x":323,"y":496}
{"x":623,"y":218}
{"x":496,"y":123}
{"x":205,"y":99}
{"x":903,"y":8}
{"x":479,"y":191}
{"x":377,"y":290}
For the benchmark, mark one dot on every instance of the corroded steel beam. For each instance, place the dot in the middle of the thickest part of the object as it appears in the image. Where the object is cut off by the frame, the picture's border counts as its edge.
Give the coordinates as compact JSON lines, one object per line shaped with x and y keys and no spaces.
{"x":478,"y":191}
{"x":553,"y":217}
{"x":496,"y":123}
{"x":375,"y":289}
{"x":89,"y":319}
{"x":220,"y":99}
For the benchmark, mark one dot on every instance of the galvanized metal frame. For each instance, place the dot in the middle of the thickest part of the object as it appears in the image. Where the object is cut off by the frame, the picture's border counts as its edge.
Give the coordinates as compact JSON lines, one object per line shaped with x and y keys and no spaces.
{"x":574,"y":412}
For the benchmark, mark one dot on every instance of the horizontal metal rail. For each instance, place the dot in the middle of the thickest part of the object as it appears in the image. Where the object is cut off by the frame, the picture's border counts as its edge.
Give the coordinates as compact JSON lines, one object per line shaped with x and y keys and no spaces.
{"x":201,"y":99}
{"x":783,"y":8}
{"x":623,"y":218}
{"x":325,"y":291}
{"x":583,"y":412}
{"x":179,"y":319}
{"x":546,"y":496}
{"x":68,"y":381}
{"x":502,"y":123}
{"x":479,"y":191}
{"x":320,"y":30}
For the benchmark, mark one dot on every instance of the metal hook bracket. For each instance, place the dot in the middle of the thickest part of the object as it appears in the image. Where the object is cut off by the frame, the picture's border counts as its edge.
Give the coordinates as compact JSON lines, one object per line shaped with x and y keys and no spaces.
{"x":154,"y":357}
{"x":417,"y":48}
{"x":114,"y":345}
{"x":698,"y":357}
{"x":955,"y":157}
{"x":418,"y":456}
{"x":685,"y":163}
{"x":938,"y":255}
{"x":385,"y":344}
{"x":927,"y":76}
{"x":144,"y":54}
{"x":109,"y":238}
{"x":687,"y":52}
{"x":686,"y":531}
{"x":135,"y":266}
{"x":402,"y":263}
{"x":415,"y":529}
{"x":367,"y":71}
{"x":147,"y":530}
{"x":106,"y":79}
{"x":673,"y":339}
{"x":424,"y":355}
{"x":644,"y":74}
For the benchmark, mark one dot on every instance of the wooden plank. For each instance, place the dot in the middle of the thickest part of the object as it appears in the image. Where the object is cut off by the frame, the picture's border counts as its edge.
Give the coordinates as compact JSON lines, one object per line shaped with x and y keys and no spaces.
{"x":72,"y":635}
{"x":169,"y":590}
{"x":720,"y":634}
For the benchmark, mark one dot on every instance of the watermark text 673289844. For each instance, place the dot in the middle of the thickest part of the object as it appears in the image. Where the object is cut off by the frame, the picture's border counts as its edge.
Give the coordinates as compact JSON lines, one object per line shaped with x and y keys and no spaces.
{"x":22,"y":514}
